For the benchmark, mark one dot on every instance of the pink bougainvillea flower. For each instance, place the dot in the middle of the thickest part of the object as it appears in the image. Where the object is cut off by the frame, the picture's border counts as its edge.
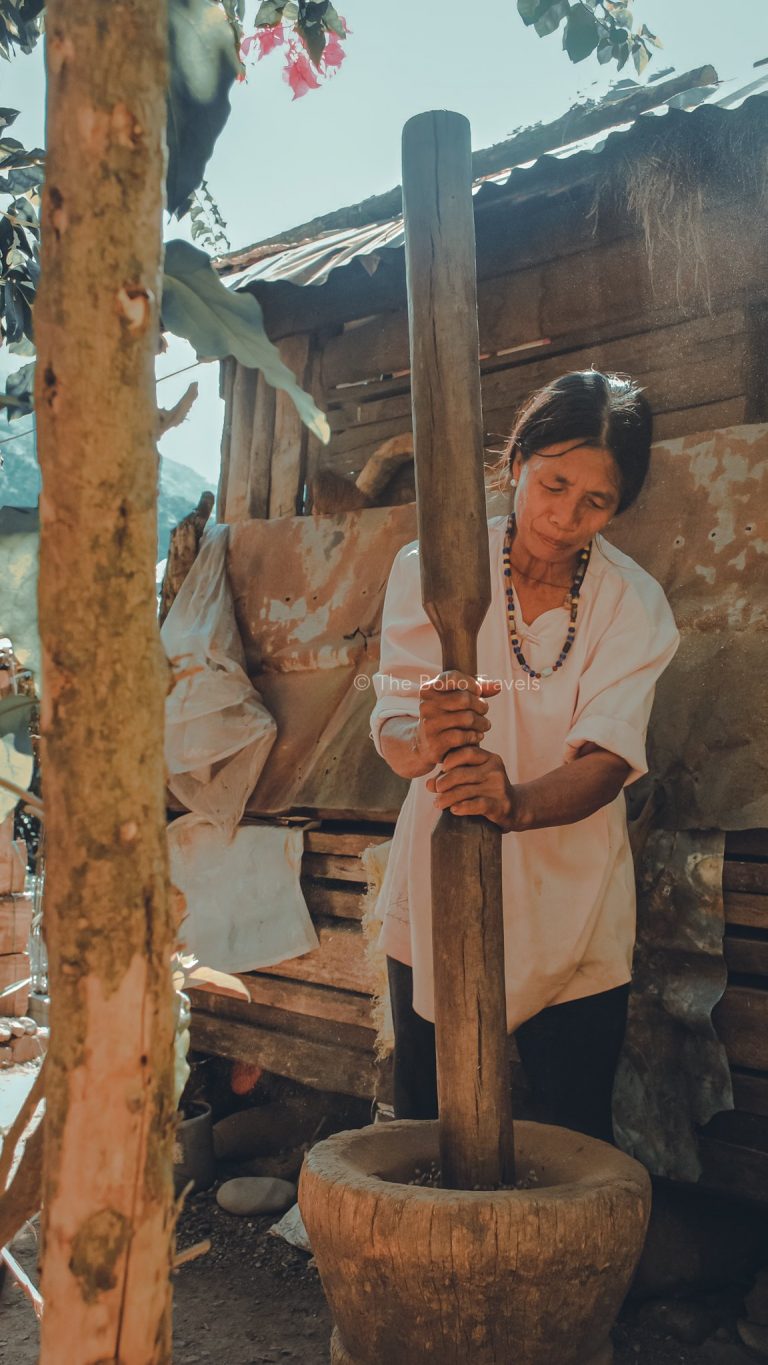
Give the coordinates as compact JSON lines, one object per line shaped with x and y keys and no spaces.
{"x":299,"y":74}
{"x":334,"y":53}
{"x":269,"y":38}
{"x":246,"y":46}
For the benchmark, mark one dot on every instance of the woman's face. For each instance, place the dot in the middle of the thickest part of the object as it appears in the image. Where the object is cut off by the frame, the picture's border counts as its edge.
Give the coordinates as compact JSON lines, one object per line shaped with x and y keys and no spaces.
{"x":566,"y":493}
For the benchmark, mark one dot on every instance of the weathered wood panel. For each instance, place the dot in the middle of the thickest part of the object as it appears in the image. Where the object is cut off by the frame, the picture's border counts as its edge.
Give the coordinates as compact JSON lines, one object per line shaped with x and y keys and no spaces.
{"x":750,"y":878}
{"x":316,"y":1002}
{"x":573,"y":296}
{"x":339,"y":961}
{"x":15,"y":924}
{"x":243,"y":408}
{"x":289,"y":442}
{"x":14,"y":967}
{"x":349,"y":844}
{"x":736,"y":1170}
{"x":746,"y":956}
{"x":706,"y":417}
{"x":336,"y":902}
{"x":284,"y":1019}
{"x":741,"y":1022}
{"x":260,"y":456}
{"x":322,"y":1066}
{"x":756,"y":369}
{"x":226,"y":383}
{"x":340,"y":867}
{"x":750,"y":1092}
{"x":694,"y":362}
{"x":693,"y":371}
{"x":740,"y":843}
{"x":745,"y":910}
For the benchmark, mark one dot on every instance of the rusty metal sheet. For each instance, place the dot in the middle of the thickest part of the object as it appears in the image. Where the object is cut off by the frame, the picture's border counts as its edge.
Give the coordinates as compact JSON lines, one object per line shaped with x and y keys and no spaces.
{"x":311,"y":261}
{"x":673,"y":1074}
{"x":701,"y":528}
{"x":308,"y":594}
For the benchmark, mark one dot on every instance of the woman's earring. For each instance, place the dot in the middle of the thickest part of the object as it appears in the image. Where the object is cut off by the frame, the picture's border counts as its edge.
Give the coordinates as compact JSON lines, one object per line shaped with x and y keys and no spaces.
{"x":513,"y":483}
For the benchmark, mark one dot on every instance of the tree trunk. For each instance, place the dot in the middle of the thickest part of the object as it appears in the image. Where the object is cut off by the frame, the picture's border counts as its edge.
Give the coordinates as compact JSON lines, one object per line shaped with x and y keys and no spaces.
{"x":108,"y":1211}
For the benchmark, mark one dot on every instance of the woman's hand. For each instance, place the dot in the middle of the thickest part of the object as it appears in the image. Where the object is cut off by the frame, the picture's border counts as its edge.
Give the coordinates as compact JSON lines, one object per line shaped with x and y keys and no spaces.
{"x":452,"y":714}
{"x":475,"y":782}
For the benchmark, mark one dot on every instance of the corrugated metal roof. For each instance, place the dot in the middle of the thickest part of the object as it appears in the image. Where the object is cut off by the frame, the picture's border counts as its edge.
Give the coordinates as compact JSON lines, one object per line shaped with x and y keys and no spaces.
{"x":311,"y":261}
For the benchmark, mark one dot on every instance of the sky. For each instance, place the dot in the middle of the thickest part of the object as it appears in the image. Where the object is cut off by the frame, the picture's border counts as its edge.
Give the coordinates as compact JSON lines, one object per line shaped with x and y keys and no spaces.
{"x":280,"y":162}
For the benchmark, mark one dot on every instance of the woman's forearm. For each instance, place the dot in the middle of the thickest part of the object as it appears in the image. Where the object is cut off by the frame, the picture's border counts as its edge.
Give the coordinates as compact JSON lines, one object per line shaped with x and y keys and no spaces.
{"x":569,"y":793}
{"x":399,"y":745}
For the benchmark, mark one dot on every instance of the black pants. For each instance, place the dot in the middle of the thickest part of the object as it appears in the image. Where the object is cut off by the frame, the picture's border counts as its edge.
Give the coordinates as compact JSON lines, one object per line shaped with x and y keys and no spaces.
{"x":569,"y":1054}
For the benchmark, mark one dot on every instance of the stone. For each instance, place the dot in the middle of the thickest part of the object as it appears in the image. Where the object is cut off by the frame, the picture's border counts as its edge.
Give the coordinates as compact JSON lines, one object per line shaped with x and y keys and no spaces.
{"x":756,"y":1301}
{"x":685,"y":1320}
{"x":251,"y":1195}
{"x":755,"y":1336}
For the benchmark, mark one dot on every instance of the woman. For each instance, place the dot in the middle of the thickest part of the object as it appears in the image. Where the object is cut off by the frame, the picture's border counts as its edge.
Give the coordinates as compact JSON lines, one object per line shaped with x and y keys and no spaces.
{"x":543,"y":743}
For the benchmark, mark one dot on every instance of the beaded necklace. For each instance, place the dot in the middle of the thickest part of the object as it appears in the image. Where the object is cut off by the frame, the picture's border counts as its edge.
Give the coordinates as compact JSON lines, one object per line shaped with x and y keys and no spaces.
{"x":574,"y":593}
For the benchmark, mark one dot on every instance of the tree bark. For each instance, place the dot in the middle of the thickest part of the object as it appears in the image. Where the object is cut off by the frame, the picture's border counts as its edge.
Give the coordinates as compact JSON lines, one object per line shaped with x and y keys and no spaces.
{"x":108,"y":1207}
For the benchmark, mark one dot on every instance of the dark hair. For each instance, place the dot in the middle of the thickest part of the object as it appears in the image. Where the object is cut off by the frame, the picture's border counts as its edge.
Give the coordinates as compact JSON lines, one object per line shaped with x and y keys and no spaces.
{"x":608,"y":410}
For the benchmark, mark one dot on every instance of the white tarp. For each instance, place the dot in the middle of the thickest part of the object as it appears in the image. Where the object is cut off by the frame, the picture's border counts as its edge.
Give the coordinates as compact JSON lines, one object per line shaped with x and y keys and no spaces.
{"x":218,"y":732}
{"x":245,"y":908}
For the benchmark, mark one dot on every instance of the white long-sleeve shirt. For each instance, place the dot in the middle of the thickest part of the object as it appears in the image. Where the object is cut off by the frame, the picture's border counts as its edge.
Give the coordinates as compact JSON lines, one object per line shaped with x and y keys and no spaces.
{"x":568,"y":890}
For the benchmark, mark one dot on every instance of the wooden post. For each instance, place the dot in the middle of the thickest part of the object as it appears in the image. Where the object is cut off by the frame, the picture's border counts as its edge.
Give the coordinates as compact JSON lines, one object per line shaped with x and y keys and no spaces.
{"x":476,"y":1144}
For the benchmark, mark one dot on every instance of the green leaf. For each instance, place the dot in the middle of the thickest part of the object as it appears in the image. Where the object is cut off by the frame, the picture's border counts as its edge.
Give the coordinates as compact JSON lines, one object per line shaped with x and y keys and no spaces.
{"x":334,"y":23}
{"x":641,"y":57}
{"x":203,"y":66}
{"x":621,"y":14}
{"x":581,"y":35}
{"x":314,"y":40}
{"x":7,"y":117}
{"x":552,"y":17}
{"x":15,"y":711}
{"x":528,"y":10}
{"x":19,"y":396}
{"x":270,"y":12}
{"x":645,"y":32}
{"x":219,"y":322}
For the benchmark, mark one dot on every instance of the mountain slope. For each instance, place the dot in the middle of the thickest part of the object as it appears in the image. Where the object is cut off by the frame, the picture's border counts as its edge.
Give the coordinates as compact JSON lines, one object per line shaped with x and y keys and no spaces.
{"x":180,"y":487}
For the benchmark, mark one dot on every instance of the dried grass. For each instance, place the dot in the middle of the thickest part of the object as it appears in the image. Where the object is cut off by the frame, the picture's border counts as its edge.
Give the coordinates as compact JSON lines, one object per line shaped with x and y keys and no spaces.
{"x":667,"y":189}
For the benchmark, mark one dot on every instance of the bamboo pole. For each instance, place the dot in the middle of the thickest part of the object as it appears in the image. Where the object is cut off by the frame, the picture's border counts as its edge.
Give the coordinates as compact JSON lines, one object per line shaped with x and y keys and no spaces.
{"x":476,"y":1144}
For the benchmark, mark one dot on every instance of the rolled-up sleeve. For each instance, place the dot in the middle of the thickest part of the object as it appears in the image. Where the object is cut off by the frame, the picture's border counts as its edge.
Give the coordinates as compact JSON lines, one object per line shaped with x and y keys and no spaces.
{"x":410,"y":647}
{"x":617,"y":687}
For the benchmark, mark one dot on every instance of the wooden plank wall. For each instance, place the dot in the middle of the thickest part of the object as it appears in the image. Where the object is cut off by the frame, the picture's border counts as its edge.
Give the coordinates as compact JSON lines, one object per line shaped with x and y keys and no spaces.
{"x":735,"y":1145}
{"x":555,"y":293}
{"x":600,"y":304}
{"x":309,"y":1018}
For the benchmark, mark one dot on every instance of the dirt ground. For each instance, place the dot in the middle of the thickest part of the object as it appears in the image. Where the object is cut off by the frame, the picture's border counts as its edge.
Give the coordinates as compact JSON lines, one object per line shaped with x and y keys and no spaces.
{"x":253,"y":1300}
